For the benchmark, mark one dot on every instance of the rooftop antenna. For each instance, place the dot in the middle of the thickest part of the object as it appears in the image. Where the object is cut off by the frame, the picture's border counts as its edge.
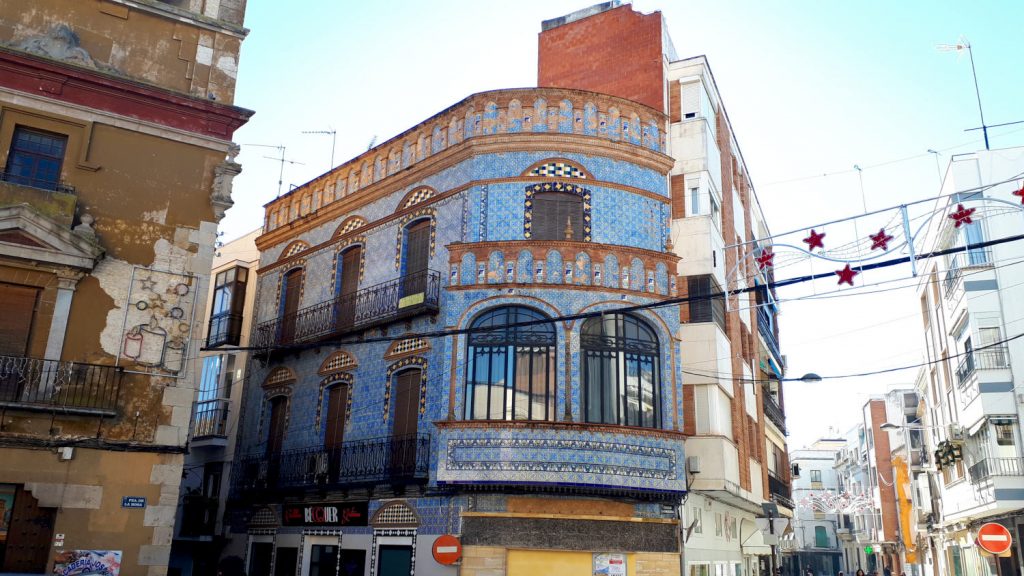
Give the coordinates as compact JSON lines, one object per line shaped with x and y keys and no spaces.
{"x":372,"y":142}
{"x":959,"y":48}
{"x":281,"y":149}
{"x":334,"y":140}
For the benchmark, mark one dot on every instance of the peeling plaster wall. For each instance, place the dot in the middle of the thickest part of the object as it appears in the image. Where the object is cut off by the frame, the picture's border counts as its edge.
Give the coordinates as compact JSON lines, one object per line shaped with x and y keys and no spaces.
{"x":144,"y":40}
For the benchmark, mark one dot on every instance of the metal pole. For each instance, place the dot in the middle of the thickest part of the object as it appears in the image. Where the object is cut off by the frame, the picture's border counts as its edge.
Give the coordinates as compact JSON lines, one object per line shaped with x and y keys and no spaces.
{"x":977,"y":92}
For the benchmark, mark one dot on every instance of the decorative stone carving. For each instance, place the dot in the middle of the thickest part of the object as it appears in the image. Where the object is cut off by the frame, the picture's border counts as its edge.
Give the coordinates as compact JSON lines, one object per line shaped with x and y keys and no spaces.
{"x":67,"y":278}
{"x":85,"y":229}
{"x":61,"y":43}
{"x":223,"y":177}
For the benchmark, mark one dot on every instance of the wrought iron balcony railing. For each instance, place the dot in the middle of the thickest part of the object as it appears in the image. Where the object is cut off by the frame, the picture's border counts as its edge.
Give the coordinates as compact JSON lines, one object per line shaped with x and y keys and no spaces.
{"x":198,"y":516}
{"x":410,"y":295}
{"x":40,"y":183}
{"x":992,"y":358}
{"x":989,"y":467}
{"x":774,"y":413}
{"x":764,"y":327}
{"x":780,"y":491}
{"x":59,"y":386}
{"x":394,"y":460}
{"x":970,"y":259}
{"x":225,"y":329}
{"x":210,"y":419}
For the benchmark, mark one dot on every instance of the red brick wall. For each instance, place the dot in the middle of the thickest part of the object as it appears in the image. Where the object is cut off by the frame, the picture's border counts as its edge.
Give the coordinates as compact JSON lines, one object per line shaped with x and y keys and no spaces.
{"x":883,"y":458}
{"x":616,"y":52}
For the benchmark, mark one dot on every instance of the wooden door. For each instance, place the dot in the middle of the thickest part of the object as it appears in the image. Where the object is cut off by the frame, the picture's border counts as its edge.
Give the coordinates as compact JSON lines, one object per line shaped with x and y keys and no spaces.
{"x":347,"y":286}
{"x":334,"y":435}
{"x":275,"y":437}
{"x":29,"y":535}
{"x":417,"y":257}
{"x":292,"y":288}
{"x":405,"y":426}
{"x":17,"y":308}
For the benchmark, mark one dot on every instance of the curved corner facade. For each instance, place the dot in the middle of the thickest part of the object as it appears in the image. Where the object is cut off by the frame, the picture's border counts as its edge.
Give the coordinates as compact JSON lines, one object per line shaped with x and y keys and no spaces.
{"x":450,"y":343}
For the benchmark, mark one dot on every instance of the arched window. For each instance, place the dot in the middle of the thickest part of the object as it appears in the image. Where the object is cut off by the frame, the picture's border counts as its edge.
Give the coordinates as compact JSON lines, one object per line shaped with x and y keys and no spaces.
{"x":510,"y":373}
{"x":620,"y":371}
{"x":557,"y":216}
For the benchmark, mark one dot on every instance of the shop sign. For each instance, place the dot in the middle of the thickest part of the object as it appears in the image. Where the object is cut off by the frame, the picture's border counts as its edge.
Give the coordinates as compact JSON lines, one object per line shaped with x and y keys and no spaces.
{"x":327,"y":514}
{"x":609,"y":564}
{"x":87,"y":563}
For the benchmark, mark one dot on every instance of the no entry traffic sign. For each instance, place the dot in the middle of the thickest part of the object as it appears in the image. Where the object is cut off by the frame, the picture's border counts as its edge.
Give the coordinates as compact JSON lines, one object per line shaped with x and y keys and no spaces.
{"x":447,"y":549}
{"x":994,"y":538}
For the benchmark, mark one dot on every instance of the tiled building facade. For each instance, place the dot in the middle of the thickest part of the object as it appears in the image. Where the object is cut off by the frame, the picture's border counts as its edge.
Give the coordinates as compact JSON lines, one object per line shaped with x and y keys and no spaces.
{"x":392,"y":403}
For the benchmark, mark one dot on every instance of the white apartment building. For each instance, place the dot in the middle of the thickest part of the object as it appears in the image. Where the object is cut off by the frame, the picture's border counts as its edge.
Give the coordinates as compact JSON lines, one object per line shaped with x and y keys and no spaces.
{"x":972,"y":311}
{"x":815,"y":544}
{"x":199,"y":534}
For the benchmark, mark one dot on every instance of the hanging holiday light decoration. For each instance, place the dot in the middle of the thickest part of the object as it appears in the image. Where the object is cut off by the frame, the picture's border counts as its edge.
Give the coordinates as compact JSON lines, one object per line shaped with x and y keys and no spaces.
{"x":962,"y":216}
{"x":829,"y":502}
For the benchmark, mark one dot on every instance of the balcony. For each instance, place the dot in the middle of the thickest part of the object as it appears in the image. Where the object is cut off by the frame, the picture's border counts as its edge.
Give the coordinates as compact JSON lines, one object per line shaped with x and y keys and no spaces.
{"x":991,"y":358}
{"x":224,"y":329}
{"x":969,"y":259}
{"x":210,"y":419}
{"x":198,"y":516}
{"x":764,"y":327}
{"x":781,"y":493}
{"x":59,"y":386}
{"x":404,"y":297}
{"x":397,"y":461}
{"x":53,"y":199}
{"x":990,"y":467}
{"x":774,"y":413}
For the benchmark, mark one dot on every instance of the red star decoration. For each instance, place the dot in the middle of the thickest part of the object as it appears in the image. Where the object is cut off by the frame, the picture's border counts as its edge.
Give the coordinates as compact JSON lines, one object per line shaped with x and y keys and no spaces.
{"x":846,"y":275}
{"x":815,"y":240}
{"x":962,"y":215}
{"x":1019,"y":193}
{"x":765,"y":259}
{"x":880,"y":240}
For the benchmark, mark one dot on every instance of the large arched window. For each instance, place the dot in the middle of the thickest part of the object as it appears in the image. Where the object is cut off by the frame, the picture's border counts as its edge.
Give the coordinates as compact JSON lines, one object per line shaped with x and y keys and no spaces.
{"x":510,"y":373}
{"x":620,"y":371}
{"x":557,"y":216}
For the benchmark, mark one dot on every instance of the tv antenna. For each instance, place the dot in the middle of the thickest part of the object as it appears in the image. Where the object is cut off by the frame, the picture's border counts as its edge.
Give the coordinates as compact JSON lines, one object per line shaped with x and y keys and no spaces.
{"x":281,"y":149}
{"x":334,"y":139}
{"x":961,"y":45}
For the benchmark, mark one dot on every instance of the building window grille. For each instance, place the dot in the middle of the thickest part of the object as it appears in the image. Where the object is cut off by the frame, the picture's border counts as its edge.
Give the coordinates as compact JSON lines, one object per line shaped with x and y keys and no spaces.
{"x":620,"y":368}
{"x":510,"y":374}
{"x":35,"y":158}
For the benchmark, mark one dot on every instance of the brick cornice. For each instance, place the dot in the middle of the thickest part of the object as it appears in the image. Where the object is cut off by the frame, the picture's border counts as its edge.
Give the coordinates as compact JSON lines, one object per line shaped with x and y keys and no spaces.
{"x":94,"y":89}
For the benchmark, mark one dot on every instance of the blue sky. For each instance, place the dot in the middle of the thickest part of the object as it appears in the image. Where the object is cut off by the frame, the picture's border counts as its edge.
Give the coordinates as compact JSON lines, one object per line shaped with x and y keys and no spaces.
{"x":811,"y":87}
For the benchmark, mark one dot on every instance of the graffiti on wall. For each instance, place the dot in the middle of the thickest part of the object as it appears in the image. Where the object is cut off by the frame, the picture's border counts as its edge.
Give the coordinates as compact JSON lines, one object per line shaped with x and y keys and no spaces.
{"x":158,"y":322}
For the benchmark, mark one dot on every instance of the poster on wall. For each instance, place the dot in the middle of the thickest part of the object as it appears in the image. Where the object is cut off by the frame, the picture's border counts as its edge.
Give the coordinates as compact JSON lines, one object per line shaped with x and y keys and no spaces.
{"x":6,"y":505}
{"x":609,"y":564}
{"x":87,"y":563}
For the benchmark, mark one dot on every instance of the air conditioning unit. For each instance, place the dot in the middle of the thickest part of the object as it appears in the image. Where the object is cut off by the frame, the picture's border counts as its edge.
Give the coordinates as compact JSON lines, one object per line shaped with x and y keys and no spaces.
{"x":956,"y":433}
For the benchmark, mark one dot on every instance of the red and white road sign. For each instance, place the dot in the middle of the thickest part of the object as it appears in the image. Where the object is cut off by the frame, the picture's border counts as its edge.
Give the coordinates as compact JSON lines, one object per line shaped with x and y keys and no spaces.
{"x":994,"y":538}
{"x":447,"y":549}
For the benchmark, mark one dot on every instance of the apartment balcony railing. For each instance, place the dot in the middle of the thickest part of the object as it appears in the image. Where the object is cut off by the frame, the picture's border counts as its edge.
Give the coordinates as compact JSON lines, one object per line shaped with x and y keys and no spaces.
{"x":198,"y":516}
{"x":210,"y":419}
{"x":59,"y":386}
{"x":764,"y":327}
{"x":992,"y":358}
{"x":40,"y":183}
{"x":774,"y":413}
{"x":225,"y":329}
{"x":969,"y":259}
{"x":398,"y":460}
{"x":410,"y":295}
{"x":780,"y":492}
{"x":989,"y":467}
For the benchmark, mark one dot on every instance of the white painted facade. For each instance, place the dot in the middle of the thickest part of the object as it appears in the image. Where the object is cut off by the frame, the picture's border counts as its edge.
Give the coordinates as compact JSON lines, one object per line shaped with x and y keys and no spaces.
{"x":815,"y":544}
{"x":972,"y":309}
